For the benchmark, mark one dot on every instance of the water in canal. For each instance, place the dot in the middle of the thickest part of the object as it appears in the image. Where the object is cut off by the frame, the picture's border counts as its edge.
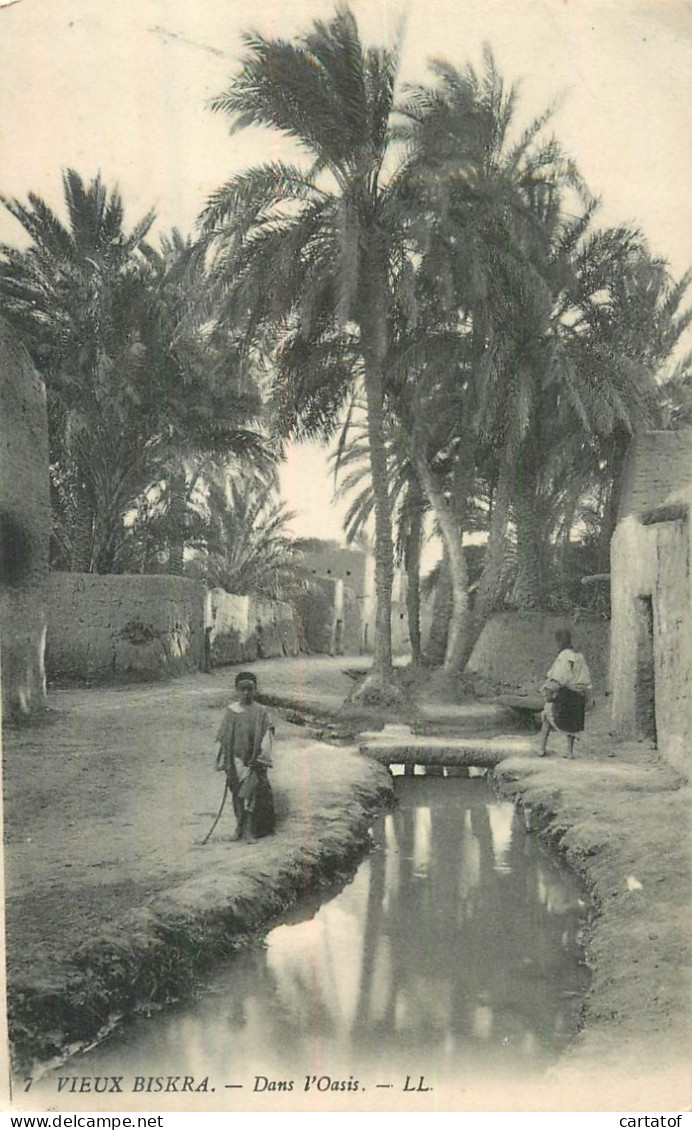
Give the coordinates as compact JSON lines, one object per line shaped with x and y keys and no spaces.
{"x":455,"y":949}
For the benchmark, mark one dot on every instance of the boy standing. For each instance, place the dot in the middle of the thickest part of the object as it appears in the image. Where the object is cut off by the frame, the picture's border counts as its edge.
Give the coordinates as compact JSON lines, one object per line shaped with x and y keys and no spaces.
{"x":246,"y":737}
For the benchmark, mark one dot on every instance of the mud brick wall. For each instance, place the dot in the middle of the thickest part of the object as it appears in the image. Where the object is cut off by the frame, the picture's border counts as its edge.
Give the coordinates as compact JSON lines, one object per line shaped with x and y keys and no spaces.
{"x":672,"y":606}
{"x":651,"y":595}
{"x":24,"y":529}
{"x":515,"y":650}
{"x":244,"y":628}
{"x":352,"y":636}
{"x":111,"y":627}
{"x":658,"y":469}
{"x":632,"y":577}
{"x":274,"y":628}
{"x":650,"y":565}
{"x":317,"y":610}
{"x":329,"y":560}
{"x":228,"y":616}
{"x":329,"y":563}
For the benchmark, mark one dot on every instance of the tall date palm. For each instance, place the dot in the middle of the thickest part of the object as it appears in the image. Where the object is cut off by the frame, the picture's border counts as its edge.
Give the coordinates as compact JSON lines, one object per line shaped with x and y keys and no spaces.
{"x":76,"y":297}
{"x":311,"y":250}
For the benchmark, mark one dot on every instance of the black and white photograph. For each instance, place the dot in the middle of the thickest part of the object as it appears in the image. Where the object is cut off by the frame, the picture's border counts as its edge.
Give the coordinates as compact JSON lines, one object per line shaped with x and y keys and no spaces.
{"x":345,"y":556}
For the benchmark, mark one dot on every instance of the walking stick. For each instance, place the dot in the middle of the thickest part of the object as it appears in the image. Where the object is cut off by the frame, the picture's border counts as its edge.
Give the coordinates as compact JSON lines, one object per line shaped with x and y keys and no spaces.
{"x":218,"y":815}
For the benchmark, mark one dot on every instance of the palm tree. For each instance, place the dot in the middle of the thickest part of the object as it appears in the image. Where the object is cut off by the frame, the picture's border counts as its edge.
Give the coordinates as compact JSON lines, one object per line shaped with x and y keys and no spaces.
{"x":526,"y":283}
{"x":487,"y":205}
{"x":246,"y":546}
{"x":613,"y":323}
{"x":138,"y":387}
{"x":311,"y":249}
{"x":210,"y":405}
{"x":76,"y":297}
{"x":407,"y":503}
{"x":629,"y":324}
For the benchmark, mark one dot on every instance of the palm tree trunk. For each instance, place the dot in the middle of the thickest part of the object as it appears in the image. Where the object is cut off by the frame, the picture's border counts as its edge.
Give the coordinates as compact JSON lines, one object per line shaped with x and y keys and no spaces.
{"x":529,"y":587}
{"x":105,"y":556}
{"x":109,"y":528}
{"x":488,"y":592}
{"x":563,"y":546}
{"x":441,"y":615}
{"x":374,"y":346}
{"x":82,"y":532}
{"x":176,"y":522}
{"x":460,"y":637}
{"x":612,"y":503}
{"x":413,"y":552}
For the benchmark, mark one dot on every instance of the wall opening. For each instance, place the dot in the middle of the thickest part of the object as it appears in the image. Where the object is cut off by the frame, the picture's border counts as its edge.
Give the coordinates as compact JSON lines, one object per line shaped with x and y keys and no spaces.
{"x":645,"y":682}
{"x":16,"y":550}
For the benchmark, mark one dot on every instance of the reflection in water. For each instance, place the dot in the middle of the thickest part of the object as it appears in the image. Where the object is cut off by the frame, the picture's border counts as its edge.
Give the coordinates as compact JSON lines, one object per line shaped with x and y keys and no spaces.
{"x":501,"y":818}
{"x":454,"y":949}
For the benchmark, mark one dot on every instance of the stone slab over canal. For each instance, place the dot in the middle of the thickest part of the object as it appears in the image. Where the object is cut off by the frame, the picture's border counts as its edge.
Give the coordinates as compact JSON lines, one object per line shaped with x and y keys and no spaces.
{"x":105,"y":806}
{"x":393,"y":747}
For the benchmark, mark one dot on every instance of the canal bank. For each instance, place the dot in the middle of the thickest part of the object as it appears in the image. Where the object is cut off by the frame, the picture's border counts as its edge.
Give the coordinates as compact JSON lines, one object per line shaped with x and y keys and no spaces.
{"x":619,"y":815}
{"x":360,"y":989}
{"x":95,"y":858}
{"x":112,"y":901}
{"x":622,"y":824}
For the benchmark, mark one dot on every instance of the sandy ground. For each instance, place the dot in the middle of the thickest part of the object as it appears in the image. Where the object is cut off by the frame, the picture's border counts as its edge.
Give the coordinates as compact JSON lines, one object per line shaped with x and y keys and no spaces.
{"x":621,"y":816}
{"x":106,"y":805}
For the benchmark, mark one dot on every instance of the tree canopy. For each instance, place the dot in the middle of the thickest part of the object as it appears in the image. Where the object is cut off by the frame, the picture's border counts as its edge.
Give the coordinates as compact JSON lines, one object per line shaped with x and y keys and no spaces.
{"x":426,"y":279}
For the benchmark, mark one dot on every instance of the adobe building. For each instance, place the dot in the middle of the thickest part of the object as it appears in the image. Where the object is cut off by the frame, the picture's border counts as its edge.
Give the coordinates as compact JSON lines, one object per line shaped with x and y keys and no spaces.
{"x":401,"y":640}
{"x":337,"y":614}
{"x":651,"y":595}
{"x":332,"y":611}
{"x":24,"y":529}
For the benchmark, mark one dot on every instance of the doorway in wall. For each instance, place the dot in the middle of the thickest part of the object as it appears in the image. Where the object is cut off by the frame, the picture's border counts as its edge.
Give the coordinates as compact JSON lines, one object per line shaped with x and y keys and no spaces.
{"x":645,"y":679}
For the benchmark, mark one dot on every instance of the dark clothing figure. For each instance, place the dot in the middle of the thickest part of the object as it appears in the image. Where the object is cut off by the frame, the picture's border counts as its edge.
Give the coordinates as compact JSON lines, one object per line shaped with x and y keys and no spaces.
{"x":569,"y":709}
{"x":566,"y":689}
{"x":245,"y":737}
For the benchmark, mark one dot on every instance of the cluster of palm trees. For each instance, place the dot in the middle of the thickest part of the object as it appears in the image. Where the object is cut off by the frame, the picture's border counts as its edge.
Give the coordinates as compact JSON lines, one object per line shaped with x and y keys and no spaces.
{"x":427,"y":260}
{"x":153,"y":419}
{"x":423,"y":280}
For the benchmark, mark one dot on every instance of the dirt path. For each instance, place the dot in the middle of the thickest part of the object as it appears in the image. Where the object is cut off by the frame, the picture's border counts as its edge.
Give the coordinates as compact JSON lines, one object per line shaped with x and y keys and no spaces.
{"x":110,"y":895}
{"x":620,"y":815}
{"x":105,"y":808}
